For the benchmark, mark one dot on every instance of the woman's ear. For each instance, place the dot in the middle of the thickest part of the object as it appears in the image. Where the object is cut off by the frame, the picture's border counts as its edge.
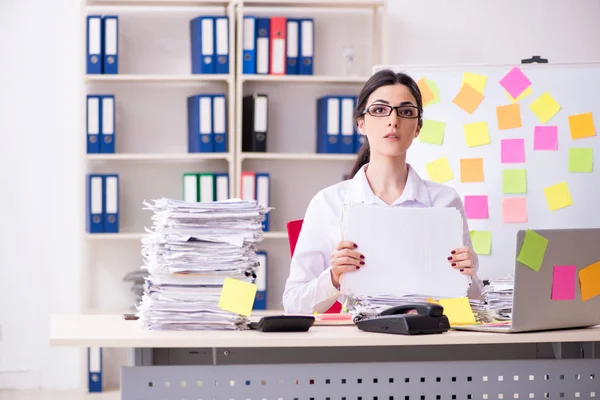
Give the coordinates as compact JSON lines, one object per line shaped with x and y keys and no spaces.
{"x":361,"y":126}
{"x":419,"y":126}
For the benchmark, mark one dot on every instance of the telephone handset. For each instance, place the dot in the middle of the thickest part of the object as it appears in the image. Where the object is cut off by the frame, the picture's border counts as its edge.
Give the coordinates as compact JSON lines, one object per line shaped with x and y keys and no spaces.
{"x":431,"y":309}
{"x":426,"y":318}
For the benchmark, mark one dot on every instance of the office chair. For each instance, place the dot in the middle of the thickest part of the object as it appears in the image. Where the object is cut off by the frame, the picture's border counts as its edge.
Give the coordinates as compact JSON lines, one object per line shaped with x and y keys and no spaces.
{"x":293,"y":230}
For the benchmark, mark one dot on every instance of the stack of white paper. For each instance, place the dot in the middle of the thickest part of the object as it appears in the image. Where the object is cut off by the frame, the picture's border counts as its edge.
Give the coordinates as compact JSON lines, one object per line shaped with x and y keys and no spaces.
{"x":188,"y":253}
{"x":498,"y":296}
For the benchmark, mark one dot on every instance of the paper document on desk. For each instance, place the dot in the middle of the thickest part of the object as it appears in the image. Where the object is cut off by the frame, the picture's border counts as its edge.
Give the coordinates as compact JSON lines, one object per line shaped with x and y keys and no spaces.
{"x":406,"y":251}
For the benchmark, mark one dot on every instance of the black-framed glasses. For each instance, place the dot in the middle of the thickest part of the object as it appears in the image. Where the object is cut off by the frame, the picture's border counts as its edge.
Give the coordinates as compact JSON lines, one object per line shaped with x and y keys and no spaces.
{"x":382,"y":110}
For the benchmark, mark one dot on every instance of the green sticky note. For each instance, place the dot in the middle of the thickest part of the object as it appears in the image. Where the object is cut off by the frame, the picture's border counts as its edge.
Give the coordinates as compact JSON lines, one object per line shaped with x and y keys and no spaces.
{"x":514,"y":181}
{"x":432,"y":132}
{"x":581,"y":159}
{"x":434,"y":90}
{"x":482,"y":242}
{"x":533,"y":250}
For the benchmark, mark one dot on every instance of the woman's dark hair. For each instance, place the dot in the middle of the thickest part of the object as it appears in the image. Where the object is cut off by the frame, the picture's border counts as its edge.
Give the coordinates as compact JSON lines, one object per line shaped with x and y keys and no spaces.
{"x":381,"y":78}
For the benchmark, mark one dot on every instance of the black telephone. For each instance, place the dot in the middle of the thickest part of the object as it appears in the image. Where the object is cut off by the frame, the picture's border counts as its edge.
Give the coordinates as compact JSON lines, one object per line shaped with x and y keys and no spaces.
{"x":400,"y":320}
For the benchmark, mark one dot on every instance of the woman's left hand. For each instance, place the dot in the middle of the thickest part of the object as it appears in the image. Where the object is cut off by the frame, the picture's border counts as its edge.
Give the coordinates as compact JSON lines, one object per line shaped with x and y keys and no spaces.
{"x":461,"y":259}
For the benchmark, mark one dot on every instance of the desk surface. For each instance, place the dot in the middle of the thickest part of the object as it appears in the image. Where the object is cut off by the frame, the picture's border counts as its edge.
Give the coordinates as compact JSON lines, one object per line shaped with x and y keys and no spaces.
{"x":114,"y":331}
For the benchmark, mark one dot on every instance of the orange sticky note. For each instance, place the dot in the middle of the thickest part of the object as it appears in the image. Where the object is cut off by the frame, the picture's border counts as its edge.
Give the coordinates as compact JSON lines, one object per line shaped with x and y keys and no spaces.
{"x":426,"y":93}
{"x":509,"y":116}
{"x":589,"y":280}
{"x":237,"y":296}
{"x":582,"y":126}
{"x":468,"y":98}
{"x":471,"y":170}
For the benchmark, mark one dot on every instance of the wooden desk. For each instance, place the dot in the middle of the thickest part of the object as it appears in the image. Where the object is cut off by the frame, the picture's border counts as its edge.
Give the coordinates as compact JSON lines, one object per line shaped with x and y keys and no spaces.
{"x":341,"y":362}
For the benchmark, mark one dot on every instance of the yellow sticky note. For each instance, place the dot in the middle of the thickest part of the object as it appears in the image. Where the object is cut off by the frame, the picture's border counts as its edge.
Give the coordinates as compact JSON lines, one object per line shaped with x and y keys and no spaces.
{"x":544,"y":107}
{"x":589,"y":280}
{"x":435,"y":91}
{"x":471,"y":170}
{"x":476,"y":134}
{"x":237,"y":296}
{"x":509,"y":116}
{"x":524,"y":94}
{"x":476,"y":81}
{"x":458,"y":311}
{"x":468,"y":98}
{"x":426,"y":94}
{"x":558,"y":196}
{"x":582,"y":126}
{"x":439,"y":170}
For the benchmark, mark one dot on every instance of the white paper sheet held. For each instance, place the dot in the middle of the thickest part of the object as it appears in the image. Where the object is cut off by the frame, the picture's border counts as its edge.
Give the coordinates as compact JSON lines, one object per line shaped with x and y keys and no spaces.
{"x":406,"y":251}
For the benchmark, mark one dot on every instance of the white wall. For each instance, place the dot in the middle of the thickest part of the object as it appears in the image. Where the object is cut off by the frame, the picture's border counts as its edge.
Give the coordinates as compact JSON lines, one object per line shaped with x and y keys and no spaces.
{"x":41,"y":169}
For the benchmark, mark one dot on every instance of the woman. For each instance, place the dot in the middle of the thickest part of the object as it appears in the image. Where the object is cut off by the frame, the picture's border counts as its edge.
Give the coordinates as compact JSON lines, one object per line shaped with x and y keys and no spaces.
{"x":389,"y":114}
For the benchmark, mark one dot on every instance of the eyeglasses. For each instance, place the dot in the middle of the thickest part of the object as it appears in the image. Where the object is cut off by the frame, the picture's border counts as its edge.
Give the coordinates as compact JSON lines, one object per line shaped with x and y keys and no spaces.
{"x":382,"y":110}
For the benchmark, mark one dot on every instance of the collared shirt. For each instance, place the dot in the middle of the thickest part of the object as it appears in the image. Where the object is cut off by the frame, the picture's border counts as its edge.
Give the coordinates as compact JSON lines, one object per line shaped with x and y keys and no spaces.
{"x":309,"y":287}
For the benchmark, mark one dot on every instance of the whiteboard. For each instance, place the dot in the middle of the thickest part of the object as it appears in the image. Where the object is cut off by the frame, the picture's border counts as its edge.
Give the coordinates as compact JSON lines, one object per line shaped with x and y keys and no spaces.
{"x":576,"y":87}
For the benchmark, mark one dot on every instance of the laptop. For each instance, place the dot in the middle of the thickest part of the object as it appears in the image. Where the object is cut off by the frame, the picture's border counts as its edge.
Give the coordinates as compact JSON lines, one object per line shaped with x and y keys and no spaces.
{"x":533,"y":308}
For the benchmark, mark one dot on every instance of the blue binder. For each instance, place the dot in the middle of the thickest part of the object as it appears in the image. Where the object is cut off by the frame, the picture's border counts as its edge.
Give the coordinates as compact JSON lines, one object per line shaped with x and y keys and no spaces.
{"x":219,"y":119}
{"x":293,"y":46}
{"x":107,"y":140}
{"x":111,"y":203}
{"x":94,"y":203}
{"x":328,"y":124}
{"x":94,"y":369}
{"x":222,"y":44}
{"x":202,"y":31}
{"x":110,"y":27}
{"x":93,"y":123}
{"x":200,"y":137}
{"x":249,"y":45}
{"x":260,"y":300}
{"x":346,"y":138}
{"x":94,"y":44}
{"x":263,"y":34}
{"x":359,"y":139}
{"x":263,"y":194}
{"x":307,"y":46}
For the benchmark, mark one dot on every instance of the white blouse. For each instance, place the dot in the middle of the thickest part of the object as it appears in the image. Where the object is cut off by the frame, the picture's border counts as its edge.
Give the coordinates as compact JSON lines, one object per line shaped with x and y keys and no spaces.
{"x":309,"y":288}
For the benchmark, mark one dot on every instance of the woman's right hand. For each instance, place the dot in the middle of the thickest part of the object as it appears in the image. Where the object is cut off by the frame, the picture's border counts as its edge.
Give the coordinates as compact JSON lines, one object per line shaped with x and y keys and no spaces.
{"x":344,"y":259}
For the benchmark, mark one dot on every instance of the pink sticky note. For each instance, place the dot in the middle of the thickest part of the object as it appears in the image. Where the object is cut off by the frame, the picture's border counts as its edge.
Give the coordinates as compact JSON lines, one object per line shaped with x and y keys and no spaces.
{"x":563,"y":282}
{"x":512,"y":150}
{"x":545,"y":138}
{"x":476,"y":206}
{"x":514,"y":209}
{"x":515,"y":82}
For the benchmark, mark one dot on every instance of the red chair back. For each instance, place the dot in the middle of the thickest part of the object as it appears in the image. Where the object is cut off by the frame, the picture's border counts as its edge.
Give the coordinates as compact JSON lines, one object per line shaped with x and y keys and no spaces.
{"x":293,"y":230}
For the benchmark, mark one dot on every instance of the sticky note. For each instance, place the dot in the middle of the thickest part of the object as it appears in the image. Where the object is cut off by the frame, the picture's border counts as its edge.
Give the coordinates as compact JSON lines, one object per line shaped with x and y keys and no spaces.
{"x":581,"y":159}
{"x":515,"y":82}
{"x":471,"y":170}
{"x":476,"y":206}
{"x":458,"y":311}
{"x":426,"y":93}
{"x":563,"y":282}
{"x":435,"y":91}
{"x":533,"y":250}
{"x":439,"y":170}
{"x":468,"y":98}
{"x":544,"y":107}
{"x":525,"y":93}
{"x":476,"y":134}
{"x":589,"y":281}
{"x":558,"y":196}
{"x":514,"y":210}
{"x":432,"y":132}
{"x":545,"y":137}
{"x":509,"y":116}
{"x":514,"y":181}
{"x":482,"y":242}
{"x":582,"y":126}
{"x":237,"y":296}
{"x":512,"y":150}
{"x":476,"y":81}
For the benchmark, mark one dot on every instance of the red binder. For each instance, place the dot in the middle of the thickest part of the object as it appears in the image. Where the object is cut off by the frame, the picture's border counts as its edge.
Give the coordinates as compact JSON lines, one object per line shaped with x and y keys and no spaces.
{"x":277,"y":42}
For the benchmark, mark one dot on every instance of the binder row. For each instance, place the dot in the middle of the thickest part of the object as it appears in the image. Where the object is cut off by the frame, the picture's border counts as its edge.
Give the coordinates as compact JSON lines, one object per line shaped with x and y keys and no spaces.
{"x":209,"y":37}
{"x":102,"y":203}
{"x":260,"y":300}
{"x":336,"y":130}
{"x":278,"y":46}
{"x":100,"y":120}
{"x":205,"y":186}
{"x":102,"y":44}
{"x":257,"y":186}
{"x":207,"y":123}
